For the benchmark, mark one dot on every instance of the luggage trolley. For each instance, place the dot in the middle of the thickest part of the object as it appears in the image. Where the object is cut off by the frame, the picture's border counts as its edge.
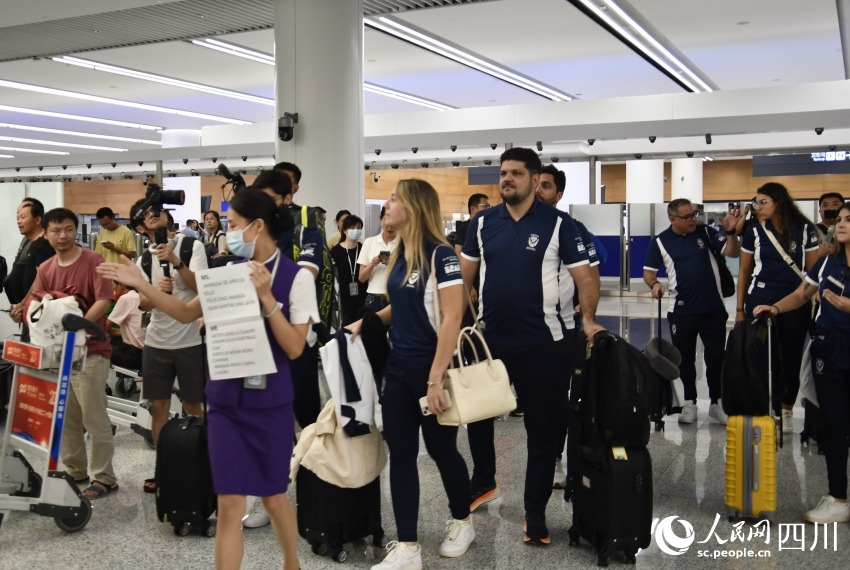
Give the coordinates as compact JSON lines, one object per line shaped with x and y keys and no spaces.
{"x":34,"y":424}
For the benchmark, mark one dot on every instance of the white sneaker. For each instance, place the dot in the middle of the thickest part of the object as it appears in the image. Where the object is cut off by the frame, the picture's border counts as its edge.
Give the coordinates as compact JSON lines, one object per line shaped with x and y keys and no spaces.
{"x":828,"y":511}
{"x":400,"y":556}
{"x":258,"y":518}
{"x":560,"y":480}
{"x":787,"y":421}
{"x":716,"y":412}
{"x":689,"y":414}
{"x":460,"y":535}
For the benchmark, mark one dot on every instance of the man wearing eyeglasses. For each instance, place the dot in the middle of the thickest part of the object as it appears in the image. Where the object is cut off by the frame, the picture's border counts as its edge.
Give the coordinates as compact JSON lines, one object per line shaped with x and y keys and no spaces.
{"x":696,"y":302}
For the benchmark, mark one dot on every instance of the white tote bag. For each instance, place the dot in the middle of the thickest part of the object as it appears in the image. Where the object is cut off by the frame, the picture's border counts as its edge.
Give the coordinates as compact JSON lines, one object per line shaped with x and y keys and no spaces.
{"x":44,"y":318}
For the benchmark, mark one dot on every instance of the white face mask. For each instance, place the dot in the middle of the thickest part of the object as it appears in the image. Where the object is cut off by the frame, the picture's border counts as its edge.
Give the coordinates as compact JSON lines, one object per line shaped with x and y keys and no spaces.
{"x":237,"y":245}
{"x":355,"y":235}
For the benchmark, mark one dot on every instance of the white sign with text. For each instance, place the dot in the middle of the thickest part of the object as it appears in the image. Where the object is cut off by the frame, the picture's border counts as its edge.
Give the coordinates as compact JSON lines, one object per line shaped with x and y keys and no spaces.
{"x":237,"y":344}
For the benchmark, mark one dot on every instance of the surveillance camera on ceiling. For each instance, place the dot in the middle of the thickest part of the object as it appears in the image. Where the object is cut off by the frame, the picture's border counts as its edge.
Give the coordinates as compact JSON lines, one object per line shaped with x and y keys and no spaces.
{"x":64,"y":167}
{"x":376,"y":176}
{"x":638,"y":156}
{"x":244,"y":158}
{"x":40,"y":168}
{"x":818,"y":130}
{"x":214,"y":160}
{"x":539,"y":145}
{"x":493,"y":146}
{"x":185,"y":161}
{"x":652,"y":138}
{"x":708,"y":138}
{"x":455,"y":163}
{"x":591,"y":141}
{"x":488,"y":162}
{"x":414,"y":150}
{"x":378,"y":151}
{"x":366,"y":167}
{"x":114,"y":164}
{"x":89,"y":165}
{"x":141,"y":163}
{"x":556,"y":158}
{"x":453,"y":147}
{"x":690,"y":154}
{"x":394,"y":166}
{"x":286,"y":126}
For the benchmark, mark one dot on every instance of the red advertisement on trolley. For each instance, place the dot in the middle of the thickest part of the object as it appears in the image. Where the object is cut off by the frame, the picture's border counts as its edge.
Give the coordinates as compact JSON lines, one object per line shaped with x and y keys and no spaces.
{"x":34,"y":405}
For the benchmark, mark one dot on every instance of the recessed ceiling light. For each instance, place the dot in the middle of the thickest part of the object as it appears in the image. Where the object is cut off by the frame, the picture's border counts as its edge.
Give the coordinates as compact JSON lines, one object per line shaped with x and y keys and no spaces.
{"x":110,"y":101}
{"x":32,"y":150}
{"x":77,"y":134}
{"x":743,"y":23}
{"x":70,"y":145}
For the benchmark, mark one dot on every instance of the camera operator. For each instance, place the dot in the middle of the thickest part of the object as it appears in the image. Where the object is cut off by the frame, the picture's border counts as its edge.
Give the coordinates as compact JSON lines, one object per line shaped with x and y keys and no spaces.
{"x":171,"y":348}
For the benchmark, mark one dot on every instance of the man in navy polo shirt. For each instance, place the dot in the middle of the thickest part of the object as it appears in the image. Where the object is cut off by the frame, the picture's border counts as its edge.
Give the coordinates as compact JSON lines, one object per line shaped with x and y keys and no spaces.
{"x":696,"y":302}
{"x":517,"y":249}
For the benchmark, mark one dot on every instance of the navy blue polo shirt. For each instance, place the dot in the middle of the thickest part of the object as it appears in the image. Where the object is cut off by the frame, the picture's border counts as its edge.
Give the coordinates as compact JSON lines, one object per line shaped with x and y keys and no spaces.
{"x":569,"y":295}
{"x":693,"y":278}
{"x":773,"y":279}
{"x":519,"y":295}
{"x":829,"y":318}
{"x":414,"y":331}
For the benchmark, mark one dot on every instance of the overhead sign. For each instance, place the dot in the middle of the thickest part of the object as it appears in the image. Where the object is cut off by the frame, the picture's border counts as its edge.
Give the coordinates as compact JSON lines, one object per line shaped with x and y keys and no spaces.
{"x":821,"y":162}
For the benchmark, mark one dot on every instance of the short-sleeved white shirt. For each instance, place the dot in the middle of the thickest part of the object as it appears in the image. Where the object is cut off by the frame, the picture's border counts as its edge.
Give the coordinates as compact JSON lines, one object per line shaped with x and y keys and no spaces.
{"x":371,"y":248}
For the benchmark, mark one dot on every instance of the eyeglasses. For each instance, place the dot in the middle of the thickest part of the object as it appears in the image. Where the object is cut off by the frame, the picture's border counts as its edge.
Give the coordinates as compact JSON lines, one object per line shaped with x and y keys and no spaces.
{"x":759,"y":204}
{"x":690,"y":217}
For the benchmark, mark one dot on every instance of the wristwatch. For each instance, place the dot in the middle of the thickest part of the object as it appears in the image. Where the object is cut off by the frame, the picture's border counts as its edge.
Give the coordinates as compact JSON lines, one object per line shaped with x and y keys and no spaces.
{"x":180,"y":265}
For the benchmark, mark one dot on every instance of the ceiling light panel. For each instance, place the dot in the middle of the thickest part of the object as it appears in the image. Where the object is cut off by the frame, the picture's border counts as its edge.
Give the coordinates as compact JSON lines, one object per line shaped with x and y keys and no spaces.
{"x":69,"y":145}
{"x":34,"y":151}
{"x":81,"y":118}
{"x":77,"y":134}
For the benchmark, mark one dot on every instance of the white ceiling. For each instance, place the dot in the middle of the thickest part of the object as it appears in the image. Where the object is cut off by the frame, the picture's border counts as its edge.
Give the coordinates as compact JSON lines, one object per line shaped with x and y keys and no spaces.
{"x":738,"y":44}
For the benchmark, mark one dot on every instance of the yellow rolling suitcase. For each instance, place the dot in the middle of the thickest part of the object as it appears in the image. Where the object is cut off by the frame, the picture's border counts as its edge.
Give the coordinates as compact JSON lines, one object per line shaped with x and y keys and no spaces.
{"x":751,"y":459}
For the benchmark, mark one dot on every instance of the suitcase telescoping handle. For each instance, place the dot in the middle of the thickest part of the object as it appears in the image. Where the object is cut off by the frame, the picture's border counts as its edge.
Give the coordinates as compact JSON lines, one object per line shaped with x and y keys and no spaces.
{"x":768,"y":322}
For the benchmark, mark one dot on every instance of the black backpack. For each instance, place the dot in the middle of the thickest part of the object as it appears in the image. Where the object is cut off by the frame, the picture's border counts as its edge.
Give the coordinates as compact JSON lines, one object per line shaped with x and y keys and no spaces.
{"x":185,"y":256}
{"x":211,"y":247}
{"x":744,"y":373}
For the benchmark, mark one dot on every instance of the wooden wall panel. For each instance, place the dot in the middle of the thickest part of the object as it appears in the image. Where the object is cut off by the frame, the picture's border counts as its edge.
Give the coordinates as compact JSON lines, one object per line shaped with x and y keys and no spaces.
{"x":450,"y":183}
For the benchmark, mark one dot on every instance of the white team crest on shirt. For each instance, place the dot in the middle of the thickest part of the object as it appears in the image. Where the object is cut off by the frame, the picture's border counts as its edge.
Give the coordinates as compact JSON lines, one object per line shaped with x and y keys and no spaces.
{"x":673,"y":330}
{"x":414,"y":277}
{"x":819,"y":365}
{"x":700,"y":243}
{"x":533,"y":240}
{"x":792,"y":247}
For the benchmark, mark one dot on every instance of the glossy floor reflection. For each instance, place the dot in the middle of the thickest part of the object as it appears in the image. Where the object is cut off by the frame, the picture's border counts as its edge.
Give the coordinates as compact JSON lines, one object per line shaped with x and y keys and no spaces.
{"x":688,"y":471}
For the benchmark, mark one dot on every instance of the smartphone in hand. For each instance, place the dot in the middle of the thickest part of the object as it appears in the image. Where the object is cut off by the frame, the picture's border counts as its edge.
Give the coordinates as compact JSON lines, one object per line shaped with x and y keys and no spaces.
{"x":834,"y":285}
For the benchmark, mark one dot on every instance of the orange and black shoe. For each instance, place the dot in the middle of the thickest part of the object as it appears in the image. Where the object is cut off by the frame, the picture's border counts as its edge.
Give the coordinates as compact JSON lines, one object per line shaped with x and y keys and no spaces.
{"x":535,"y":532}
{"x":483,"y":495}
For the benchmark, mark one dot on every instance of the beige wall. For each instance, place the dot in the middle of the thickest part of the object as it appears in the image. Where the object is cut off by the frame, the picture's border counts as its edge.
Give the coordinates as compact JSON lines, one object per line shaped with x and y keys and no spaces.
{"x":722,"y":180}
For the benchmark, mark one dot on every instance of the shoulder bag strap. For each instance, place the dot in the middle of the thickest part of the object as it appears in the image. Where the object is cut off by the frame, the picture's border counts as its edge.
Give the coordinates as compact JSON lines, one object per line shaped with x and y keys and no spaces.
{"x":432,"y":278}
{"x":782,"y":253}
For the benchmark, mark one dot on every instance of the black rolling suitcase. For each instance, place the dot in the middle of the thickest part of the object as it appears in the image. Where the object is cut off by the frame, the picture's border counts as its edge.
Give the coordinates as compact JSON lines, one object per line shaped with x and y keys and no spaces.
{"x":612,"y":504}
{"x":330,"y":516}
{"x":184,"y":490}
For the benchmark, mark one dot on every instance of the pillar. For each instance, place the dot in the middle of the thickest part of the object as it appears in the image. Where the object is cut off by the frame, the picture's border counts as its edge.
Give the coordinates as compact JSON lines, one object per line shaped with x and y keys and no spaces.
{"x":319,"y":75}
{"x":644,"y":181}
{"x":686,"y":174}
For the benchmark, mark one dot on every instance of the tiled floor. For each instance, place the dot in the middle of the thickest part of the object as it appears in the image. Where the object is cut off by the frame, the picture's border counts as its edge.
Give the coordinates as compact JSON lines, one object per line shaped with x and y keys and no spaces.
{"x":688,"y":473}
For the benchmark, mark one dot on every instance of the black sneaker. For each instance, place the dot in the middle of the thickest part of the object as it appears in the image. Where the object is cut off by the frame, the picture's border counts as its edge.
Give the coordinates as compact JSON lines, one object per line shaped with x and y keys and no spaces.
{"x":535,"y":532}
{"x":481,"y":496}
{"x":517,"y":412}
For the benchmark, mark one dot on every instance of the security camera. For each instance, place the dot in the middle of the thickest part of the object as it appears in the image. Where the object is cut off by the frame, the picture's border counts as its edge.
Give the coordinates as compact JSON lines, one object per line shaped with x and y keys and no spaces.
{"x":424,"y":165}
{"x":376,"y":176}
{"x":40,"y":168}
{"x":366,"y":167}
{"x":378,"y":151}
{"x":652,"y":138}
{"x":708,"y":138}
{"x":690,"y":154}
{"x":214,"y":160}
{"x":89,"y":166}
{"x":286,"y":126}
{"x":493,"y":146}
{"x":114,"y":164}
{"x":453,"y":147}
{"x":455,"y":163}
{"x":185,"y":161}
{"x":414,"y":150}
{"x":488,"y":162}
{"x":555,"y":159}
{"x":638,"y":156}
{"x":539,"y":145}
{"x":17,"y":169}
{"x":394,"y":166}
{"x":141,"y":162}
{"x":818,"y":130}
{"x":244,"y":158}
{"x":64,"y":167}
{"x":832,"y":148}
{"x":591,"y":141}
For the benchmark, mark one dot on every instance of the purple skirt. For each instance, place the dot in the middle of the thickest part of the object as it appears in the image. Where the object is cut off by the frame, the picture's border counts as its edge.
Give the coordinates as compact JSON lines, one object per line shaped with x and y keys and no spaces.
{"x":250,"y":449}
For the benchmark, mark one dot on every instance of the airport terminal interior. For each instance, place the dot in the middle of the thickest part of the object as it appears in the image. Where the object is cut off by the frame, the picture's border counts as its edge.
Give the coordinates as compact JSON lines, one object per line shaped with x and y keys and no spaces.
{"x":638,"y":102}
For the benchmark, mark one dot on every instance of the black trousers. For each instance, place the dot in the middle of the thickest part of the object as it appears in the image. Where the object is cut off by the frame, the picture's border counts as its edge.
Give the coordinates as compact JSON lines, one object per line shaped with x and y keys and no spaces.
{"x":833,"y":389}
{"x":711,"y":328}
{"x":402,"y":419}
{"x":537,"y":376}
{"x":125,"y":355}
{"x":305,"y":386}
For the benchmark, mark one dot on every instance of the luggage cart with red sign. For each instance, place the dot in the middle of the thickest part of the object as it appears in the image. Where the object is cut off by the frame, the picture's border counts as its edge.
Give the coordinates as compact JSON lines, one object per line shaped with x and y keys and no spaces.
{"x":34,"y":425}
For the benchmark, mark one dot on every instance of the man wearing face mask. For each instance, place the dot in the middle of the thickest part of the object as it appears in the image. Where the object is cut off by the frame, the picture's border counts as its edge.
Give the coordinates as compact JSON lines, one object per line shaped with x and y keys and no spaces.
{"x":829,"y":203}
{"x":172,"y":349}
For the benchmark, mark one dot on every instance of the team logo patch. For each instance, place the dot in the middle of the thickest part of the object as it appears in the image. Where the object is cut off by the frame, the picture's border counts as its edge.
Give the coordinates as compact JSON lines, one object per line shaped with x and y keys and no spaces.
{"x":792,"y":247}
{"x":673,"y":329}
{"x":307,"y":252}
{"x":414,"y":277}
{"x":700,"y":243}
{"x":533,"y":240}
{"x":819,"y":365}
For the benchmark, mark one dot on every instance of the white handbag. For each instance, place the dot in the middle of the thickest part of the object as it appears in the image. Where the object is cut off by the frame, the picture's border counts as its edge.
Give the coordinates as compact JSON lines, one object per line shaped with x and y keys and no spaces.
{"x":477,"y":390}
{"x":44,"y":318}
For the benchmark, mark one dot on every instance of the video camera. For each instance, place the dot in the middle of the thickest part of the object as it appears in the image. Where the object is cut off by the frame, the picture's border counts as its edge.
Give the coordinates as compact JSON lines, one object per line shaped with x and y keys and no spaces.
{"x":233,"y":178}
{"x":155,"y":198}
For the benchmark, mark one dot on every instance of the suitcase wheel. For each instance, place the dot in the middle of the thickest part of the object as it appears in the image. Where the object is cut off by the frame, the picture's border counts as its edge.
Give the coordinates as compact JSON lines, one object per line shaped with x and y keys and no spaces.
{"x":319,"y":548}
{"x":659,"y":425}
{"x":630,"y":557}
{"x":340,"y":556}
{"x":209,"y":532}
{"x":183,"y":530}
{"x":602,"y":560}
